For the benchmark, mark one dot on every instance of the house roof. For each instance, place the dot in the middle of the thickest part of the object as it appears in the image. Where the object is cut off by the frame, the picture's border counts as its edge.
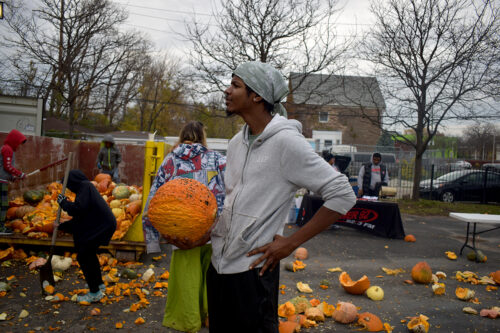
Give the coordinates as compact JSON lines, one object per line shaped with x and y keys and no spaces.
{"x":54,"y":124}
{"x":336,"y":90}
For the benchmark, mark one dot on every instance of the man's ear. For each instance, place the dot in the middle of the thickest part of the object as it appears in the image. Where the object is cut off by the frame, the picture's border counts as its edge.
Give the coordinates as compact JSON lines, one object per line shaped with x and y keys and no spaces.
{"x":256,"y":98}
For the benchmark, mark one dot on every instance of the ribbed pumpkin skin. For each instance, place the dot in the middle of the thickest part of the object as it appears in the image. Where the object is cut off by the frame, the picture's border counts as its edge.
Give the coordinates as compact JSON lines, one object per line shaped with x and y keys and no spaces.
{"x":184,"y":208}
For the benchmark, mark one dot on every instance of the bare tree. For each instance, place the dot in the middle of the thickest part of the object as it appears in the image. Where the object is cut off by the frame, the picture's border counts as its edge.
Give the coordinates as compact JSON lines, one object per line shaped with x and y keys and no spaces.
{"x":78,"y":50}
{"x":478,"y":140}
{"x":436,"y":61}
{"x":159,"y":99}
{"x":295,"y":36}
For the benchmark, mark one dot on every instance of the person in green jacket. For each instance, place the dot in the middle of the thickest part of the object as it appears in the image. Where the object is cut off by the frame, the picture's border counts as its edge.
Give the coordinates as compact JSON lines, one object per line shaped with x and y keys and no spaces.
{"x":109,"y":157}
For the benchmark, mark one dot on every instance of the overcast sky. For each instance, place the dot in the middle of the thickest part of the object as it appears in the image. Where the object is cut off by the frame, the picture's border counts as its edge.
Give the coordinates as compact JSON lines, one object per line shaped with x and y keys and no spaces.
{"x":163,"y":21}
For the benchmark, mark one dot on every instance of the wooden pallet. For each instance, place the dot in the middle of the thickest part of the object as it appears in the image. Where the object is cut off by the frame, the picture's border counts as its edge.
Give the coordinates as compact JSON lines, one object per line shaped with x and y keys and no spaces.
{"x":120,"y":249}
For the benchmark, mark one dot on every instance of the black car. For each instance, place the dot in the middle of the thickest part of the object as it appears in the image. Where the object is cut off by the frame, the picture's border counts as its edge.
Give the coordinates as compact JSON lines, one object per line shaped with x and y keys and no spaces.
{"x":462,"y":185}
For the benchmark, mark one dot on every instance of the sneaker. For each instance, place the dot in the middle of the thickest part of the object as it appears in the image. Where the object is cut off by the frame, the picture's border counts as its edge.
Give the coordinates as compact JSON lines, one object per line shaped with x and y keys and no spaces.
{"x":101,"y":287}
{"x":90,"y":297}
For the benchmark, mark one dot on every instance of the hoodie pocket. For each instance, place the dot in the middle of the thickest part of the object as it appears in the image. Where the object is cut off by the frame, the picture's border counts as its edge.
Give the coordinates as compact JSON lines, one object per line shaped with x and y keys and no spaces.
{"x":247,"y":236}
{"x":222,"y":227}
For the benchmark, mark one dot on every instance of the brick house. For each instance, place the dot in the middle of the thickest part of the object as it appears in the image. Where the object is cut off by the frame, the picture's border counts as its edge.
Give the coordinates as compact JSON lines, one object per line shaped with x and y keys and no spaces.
{"x":345,"y":104}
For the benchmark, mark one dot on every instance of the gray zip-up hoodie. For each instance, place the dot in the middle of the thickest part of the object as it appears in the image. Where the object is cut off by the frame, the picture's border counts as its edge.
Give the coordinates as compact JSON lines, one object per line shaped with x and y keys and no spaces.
{"x":260,"y":182}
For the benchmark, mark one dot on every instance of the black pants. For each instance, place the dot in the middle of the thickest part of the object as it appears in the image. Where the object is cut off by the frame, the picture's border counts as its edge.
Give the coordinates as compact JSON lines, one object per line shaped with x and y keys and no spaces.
{"x":89,"y":263}
{"x":243,"y":302}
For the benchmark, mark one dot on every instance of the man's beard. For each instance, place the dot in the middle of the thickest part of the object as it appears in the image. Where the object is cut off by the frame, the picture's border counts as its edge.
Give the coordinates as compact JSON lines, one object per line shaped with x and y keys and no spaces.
{"x":230,"y":114}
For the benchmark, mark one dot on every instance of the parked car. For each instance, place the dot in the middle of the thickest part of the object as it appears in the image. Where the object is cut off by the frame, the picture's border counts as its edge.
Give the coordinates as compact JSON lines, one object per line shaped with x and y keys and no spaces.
{"x":491,"y":166}
{"x":462,"y":185}
{"x":458,"y":165}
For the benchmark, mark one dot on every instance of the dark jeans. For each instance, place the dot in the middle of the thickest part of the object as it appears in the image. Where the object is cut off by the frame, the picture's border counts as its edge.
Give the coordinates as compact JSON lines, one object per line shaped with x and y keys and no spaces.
{"x":243,"y":302}
{"x":89,"y":263}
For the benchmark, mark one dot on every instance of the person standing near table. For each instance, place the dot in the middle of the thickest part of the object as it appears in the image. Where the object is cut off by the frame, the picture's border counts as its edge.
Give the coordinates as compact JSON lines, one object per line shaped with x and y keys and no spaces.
{"x":267,"y":161}
{"x":109,"y":157}
{"x":372,"y":176}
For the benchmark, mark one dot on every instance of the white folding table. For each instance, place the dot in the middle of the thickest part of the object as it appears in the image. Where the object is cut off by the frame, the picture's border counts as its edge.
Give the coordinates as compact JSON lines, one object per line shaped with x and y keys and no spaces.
{"x":475,"y":219}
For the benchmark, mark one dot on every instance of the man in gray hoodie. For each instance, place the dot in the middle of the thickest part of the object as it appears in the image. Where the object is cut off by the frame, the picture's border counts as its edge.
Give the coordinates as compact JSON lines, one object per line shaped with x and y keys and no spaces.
{"x":267,"y":161}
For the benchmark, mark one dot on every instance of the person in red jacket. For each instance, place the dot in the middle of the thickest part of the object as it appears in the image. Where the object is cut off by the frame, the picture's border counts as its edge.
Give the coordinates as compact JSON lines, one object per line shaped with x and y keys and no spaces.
{"x":8,"y":172}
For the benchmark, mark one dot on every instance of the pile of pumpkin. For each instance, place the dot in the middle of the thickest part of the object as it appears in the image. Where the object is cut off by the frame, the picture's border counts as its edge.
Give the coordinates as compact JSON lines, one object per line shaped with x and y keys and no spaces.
{"x":34,"y":213}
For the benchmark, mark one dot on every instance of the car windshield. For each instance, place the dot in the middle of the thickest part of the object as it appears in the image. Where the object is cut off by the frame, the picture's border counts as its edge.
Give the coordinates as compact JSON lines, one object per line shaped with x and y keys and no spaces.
{"x":452,"y":176}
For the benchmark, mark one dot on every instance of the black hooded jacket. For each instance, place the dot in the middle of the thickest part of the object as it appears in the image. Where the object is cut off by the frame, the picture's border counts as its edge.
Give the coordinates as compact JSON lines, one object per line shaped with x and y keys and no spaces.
{"x":92,"y":217}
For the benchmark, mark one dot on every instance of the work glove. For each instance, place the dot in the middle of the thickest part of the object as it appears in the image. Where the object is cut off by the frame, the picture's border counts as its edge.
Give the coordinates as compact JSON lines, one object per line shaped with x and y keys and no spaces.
{"x":60,"y":198}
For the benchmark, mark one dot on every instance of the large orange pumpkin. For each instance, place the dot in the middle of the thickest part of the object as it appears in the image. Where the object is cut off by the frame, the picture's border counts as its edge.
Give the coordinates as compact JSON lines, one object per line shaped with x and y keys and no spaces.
{"x":421,"y":273}
{"x":11,"y":213}
{"x":183,"y":208}
{"x":102,"y":176}
{"x":354,"y":287}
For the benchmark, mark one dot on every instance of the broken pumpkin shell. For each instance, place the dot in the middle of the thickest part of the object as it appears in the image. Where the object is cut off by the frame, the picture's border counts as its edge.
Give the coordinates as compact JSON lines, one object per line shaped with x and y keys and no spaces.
{"x":464,"y":294}
{"x":370,"y":322}
{"x":304,"y":287}
{"x":286,"y":310}
{"x":439,"y":288}
{"x":315,"y":314}
{"x":354,"y":287}
{"x":418,"y":324}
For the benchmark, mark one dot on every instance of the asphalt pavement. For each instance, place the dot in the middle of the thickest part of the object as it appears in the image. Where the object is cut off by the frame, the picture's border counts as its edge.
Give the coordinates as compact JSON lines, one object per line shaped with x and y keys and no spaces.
{"x":359,"y":253}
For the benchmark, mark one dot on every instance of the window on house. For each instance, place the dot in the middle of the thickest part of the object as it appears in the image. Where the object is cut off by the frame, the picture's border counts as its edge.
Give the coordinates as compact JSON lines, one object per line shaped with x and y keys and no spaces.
{"x":328,"y":143}
{"x":323,"y":117}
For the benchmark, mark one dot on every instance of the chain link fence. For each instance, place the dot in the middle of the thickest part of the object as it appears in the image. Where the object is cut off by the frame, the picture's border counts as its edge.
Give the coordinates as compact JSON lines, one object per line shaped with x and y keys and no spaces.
{"x":443,"y":178}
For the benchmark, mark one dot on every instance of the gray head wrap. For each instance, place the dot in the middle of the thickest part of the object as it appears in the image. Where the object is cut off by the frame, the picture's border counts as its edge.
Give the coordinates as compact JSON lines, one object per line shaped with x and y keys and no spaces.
{"x":266,"y":81}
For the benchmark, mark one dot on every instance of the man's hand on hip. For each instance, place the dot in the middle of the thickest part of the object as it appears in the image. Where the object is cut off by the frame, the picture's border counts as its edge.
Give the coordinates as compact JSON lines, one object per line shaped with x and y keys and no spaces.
{"x":273,"y":252}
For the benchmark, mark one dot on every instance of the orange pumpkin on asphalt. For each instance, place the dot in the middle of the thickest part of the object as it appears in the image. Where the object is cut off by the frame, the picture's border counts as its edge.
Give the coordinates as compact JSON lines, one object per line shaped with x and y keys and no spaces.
{"x":370,"y":322}
{"x":345,"y":313}
{"x":184,"y":208}
{"x":354,"y":287}
{"x":410,"y":238}
{"x":301,"y":253}
{"x":495,"y":276}
{"x":421,"y":273}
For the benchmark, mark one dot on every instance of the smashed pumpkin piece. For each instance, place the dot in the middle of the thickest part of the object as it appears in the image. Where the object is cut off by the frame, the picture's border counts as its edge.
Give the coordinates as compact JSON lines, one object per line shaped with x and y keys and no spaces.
{"x":286,"y":310}
{"x":390,"y":271}
{"x":388,"y":328}
{"x":439,"y":288}
{"x":464,"y":294}
{"x":314,"y":302}
{"x":354,"y":287}
{"x":327,"y":309}
{"x":418,"y":324}
{"x":139,"y":321}
{"x":304,"y":287}
{"x":165,"y":275}
{"x":451,"y":255}
{"x":7,"y":253}
{"x":49,"y":289}
{"x":300,"y":303}
{"x":315,"y":314}
{"x":370,"y":322}
{"x":118,"y":325}
{"x":288,"y":327}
